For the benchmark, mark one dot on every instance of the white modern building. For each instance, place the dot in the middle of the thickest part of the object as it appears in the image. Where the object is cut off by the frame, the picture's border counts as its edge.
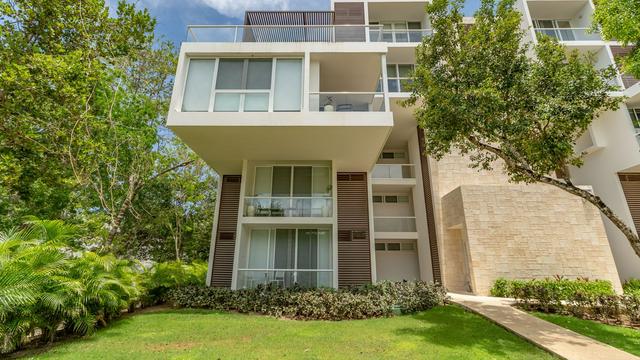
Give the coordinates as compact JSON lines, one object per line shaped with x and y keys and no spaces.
{"x":323,"y":181}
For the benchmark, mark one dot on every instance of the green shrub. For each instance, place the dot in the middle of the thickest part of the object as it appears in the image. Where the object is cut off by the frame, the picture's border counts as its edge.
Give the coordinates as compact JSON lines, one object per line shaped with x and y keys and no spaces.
{"x":551,"y":290}
{"x":164,"y":276}
{"x":314,"y":304}
{"x":631,"y":287}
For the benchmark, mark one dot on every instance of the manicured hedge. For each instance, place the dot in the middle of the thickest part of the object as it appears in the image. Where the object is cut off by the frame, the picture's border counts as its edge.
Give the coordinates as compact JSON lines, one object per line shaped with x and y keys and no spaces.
{"x":588,"y":299}
{"x":378,"y":300}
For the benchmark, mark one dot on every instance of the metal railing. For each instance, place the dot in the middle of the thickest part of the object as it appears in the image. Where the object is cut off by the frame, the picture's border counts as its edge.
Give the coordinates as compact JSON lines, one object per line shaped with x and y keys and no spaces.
{"x":284,"y":33}
{"x":307,"y":278}
{"x":570,"y":34}
{"x":393,"y":171}
{"x":346,"y":101}
{"x":402,"y":36}
{"x":319,"y":206}
{"x":394,"y":223}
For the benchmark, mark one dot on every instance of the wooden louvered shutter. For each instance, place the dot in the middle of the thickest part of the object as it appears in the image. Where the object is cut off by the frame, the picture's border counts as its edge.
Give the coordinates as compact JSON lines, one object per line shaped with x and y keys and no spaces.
{"x":349,"y":13}
{"x":631,"y":187}
{"x":428,"y":203}
{"x":354,"y":246}
{"x":620,"y":51}
{"x":226,"y":231}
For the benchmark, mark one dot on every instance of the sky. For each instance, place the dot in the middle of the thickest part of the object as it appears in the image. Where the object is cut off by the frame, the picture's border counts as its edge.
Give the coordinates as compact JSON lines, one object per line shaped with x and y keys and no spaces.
{"x":173,"y":16}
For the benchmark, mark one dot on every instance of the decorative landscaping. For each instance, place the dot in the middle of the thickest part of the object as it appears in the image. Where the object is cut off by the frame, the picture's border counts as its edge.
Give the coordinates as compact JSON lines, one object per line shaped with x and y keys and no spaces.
{"x":444,"y":332}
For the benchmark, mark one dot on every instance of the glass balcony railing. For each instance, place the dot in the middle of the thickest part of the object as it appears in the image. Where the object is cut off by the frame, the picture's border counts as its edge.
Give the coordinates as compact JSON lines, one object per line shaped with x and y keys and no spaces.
{"x":308,"y":278}
{"x":570,"y":34}
{"x":283,"y":33}
{"x":288,"y":206}
{"x":394,"y":224}
{"x":400,"y":36}
{"x":346,"y":101}
{"x":393,"y":171}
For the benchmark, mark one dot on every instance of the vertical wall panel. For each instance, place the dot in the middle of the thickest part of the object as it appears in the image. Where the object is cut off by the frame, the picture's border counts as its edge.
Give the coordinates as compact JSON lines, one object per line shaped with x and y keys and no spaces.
{"x":428,"y":202}
{"x":349,"y":13}
{"x":631,"y":187}
{"x":226,"y":232}
{"x":354,"y":247}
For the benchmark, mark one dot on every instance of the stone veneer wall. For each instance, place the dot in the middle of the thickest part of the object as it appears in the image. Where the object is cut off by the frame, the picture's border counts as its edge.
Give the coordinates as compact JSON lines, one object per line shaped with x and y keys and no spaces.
{"x":489,"y":228}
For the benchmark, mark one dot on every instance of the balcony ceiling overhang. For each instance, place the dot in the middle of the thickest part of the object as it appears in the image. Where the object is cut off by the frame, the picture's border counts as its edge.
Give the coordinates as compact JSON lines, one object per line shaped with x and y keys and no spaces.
{"x":396,"y":10}
{"x":560,"y":10}
{"x":352,"y":139}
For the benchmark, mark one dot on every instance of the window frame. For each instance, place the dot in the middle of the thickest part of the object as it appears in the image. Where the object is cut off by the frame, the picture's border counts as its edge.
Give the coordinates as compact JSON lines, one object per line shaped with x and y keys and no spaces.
{"x":292,"y":168}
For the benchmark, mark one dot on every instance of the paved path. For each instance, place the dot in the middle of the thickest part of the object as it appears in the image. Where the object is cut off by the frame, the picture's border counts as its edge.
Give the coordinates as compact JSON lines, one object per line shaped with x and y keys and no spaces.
{"x":555,"y":339}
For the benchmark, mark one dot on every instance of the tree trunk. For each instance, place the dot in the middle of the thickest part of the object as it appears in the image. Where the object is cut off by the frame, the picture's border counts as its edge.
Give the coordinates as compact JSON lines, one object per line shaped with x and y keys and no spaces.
{"x":126,"y":204}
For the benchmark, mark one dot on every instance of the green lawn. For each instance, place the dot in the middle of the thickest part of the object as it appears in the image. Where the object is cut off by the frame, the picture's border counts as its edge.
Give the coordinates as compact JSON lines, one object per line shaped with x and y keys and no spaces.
{"x":617,"y":336}
{"x":446,"y":332}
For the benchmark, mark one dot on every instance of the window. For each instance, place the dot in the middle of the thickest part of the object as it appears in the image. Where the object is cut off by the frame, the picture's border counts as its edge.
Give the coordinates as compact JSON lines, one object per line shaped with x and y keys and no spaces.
{"x":287,"y":257}
{"x":390,"y":199}
{"x":243,"y":85}
{"x":292,"y":181}
{"x":635,"y":117}
{"x":400,"y":31}
{"x":398,"y":77}
{"x":554,"y":28}
{"x":392,"y":155}
{"x":405,"y":245}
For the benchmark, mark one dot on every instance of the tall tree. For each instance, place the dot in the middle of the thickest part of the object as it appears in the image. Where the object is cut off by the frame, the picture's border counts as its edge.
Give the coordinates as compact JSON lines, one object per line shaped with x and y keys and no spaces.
{"x":479,"y":93}
{"x":620,"y":20}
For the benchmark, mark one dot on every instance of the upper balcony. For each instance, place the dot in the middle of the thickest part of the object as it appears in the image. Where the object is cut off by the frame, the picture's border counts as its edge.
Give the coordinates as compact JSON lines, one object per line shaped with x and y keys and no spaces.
{"x":569,"y":21}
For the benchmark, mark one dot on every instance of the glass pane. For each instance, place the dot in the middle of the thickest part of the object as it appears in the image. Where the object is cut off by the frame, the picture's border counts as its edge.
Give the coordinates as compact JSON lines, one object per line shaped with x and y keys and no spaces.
{"x":393,"y":246}
{"x":259,"y":250}
{"x":227,"y":102}
{"x":545,"y":24}
{"x":285,"y":249}
{"x":321,"y":181}
{"x":400,"y":26}
{"x":307,"y":249}
{"x":229,"y":74}
{"x":324,"y":249}
{"x":197,"y":89}
{"x":259,"y":74}
{"x":256,"y":102}
{"x":405,"y":70}
{"x":564,"y":24}
{"x":415,"y":25}
{"x":281,"y":181}
{"x":407,"y":246}
{"x":302,"y":181}
{"x":405,"y":85}
{"x":391,"y":199}
{"x":377,"y":199}
{"x":380,"y":246}
{"x":403,"y":199}
{"x":262,"y":186}
{"x":288,"y":85}
{"x":393,"y":85}
{"x":391,"y":71}
{"x":386,"y":26}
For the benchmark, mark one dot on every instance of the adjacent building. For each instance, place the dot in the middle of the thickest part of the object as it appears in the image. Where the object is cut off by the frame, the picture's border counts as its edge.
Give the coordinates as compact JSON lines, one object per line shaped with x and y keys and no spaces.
{"x":323,"y":181}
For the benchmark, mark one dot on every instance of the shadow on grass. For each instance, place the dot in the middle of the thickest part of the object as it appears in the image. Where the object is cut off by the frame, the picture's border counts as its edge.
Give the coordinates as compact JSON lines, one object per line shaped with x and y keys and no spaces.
{"x":455,"y":328}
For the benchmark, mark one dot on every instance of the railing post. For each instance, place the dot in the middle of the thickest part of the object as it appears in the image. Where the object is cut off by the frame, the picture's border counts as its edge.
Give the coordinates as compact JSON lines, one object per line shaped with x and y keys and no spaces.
{"x":235,"y":35}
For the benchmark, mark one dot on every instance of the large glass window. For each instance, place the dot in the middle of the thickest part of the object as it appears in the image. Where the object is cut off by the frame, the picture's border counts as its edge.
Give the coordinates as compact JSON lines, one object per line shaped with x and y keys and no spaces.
{"x":197,"y":92}
{"x":243,"y":85}
{"x":288,"y":256}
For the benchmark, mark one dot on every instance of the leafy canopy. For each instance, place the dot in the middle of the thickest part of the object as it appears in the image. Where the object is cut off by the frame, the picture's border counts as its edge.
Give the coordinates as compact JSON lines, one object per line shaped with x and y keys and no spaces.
{"x":620,"y":20}
{"x":483,"y":91}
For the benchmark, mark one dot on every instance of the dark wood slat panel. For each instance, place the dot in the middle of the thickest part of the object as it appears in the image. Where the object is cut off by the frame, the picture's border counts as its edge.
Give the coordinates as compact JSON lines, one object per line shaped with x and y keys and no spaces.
{"x":354,"y":247}
{"x":631,"y":187}
{"x":428,"y":202}
{"x":620,"y":51}
{"x":226,"y":232}
{"x":349,"y":13}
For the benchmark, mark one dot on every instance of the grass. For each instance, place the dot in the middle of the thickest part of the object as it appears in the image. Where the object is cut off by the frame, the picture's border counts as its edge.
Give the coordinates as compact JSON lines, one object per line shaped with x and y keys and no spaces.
{"x":445,"y":332}
{"x":623,"y":338}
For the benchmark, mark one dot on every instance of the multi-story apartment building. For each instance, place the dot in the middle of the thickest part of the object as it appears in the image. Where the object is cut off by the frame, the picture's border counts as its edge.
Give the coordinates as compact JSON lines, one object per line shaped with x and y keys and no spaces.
{"x":323,"y":181}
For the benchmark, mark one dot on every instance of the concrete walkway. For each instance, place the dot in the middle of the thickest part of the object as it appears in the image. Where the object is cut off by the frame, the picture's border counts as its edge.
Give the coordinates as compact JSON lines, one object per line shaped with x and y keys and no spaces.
{"x":553,"y":338}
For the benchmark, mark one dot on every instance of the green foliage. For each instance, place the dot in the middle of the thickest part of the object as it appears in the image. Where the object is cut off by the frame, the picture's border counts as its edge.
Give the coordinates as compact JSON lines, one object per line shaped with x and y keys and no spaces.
{"x":164,"y":276}
{"x":481,"y":93}
{"x":589,"y":299}
{"x":319,"y":304}
{"x":83,"y":101}
{"x":619,"y":20}
{"x":631,"y":287}
{"x":49,"y":284}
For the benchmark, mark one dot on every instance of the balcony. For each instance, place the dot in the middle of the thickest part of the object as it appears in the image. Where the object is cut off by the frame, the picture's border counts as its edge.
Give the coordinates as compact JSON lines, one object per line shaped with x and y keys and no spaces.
{"x":400,"y":35}
{"x":308,"y":278}
{"x":346,"y":101}
{"x":288,"y":206}
{"x":393,"y":171}
{"x":570,"y":34}
{"x":284,"y":33}
{"x":394,"y":224}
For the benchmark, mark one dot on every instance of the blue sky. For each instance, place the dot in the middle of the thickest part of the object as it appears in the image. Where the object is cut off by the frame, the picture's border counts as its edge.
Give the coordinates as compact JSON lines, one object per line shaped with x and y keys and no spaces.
{"x":173,"y":16}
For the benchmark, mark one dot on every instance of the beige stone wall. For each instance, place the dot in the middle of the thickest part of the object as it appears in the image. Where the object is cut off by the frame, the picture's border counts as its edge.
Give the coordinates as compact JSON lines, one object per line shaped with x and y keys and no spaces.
{"x":498,"y":229}
{"x":529,"y":231}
